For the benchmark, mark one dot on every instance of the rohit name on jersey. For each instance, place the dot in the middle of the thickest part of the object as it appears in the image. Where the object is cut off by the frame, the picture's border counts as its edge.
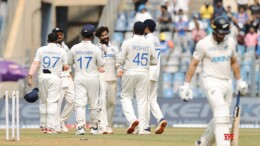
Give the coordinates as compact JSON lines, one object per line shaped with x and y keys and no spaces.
{"x":220,"y":59}
{"x":139,"y":48}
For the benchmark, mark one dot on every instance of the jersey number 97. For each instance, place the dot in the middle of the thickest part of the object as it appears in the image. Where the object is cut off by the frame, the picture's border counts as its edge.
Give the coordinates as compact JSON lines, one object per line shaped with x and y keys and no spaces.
{"x":50,"y":61}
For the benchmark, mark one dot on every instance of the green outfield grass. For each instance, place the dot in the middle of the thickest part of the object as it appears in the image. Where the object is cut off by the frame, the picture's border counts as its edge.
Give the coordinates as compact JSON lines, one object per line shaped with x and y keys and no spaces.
{"x":171,"y":137}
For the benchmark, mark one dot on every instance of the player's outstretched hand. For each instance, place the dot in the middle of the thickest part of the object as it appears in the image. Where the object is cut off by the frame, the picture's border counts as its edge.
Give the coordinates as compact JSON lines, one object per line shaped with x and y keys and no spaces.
{"x":242,"y":87}
{"x":185,"y":92}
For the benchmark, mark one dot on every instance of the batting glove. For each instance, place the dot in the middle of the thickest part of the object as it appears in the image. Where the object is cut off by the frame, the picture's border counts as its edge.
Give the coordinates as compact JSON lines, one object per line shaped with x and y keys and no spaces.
{"x":185,"y":92}
{"x":242,"y":87}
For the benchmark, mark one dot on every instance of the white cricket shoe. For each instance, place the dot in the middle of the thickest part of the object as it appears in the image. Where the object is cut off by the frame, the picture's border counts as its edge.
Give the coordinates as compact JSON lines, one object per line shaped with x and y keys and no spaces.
{"x":131,"y":129}
{"x":161,"y":126}
{"x":58,"y":129}
{"x":64,"y":128}
{"x":94,"y":131}
{"x":109,"y":130}
{"x":80,"y":131}
{"x":103,"y":130}
{"x":144,"y":131}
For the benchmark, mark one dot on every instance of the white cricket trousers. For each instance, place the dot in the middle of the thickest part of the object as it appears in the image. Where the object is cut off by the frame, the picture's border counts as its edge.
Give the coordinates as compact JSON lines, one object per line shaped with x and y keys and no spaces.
{"x":68,"y":94}
{"x":219,"y":95}
{"x":108,"y":103}
{"x":135,"y":85}
{"x":87,"y":91}
{"x":49,"y":91}
{"x":153,"y":105}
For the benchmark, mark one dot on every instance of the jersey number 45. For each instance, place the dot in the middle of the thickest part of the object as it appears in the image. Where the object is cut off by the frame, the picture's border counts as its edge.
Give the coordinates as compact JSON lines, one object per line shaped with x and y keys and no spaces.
{"x":141,"y":59}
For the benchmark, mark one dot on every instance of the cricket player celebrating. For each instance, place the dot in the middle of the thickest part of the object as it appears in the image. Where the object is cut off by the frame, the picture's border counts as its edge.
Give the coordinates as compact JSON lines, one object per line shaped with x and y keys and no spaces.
{"x":218,"y":56}
{"x":52,"y":61}
{"x":107,"y":80}
{"x":67,"y":89}
{"x":154,"y":76}
{"x":137,"y":55}
{"x":87,"y":59}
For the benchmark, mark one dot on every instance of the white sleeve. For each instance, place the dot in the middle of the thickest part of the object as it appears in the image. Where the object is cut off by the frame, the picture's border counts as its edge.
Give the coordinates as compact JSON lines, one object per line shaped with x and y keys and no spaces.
{"x":153,"y":57}
{"x":37,"y":55}
{"x":199,"y":52}
{"x":64,"y":57}
{"x":122,"y":55}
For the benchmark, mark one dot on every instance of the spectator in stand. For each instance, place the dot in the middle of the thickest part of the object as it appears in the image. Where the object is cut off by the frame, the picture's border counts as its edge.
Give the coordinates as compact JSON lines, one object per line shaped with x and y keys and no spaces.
{"x":241,"y":43}
{"x":251,"y":39}
{"x":255,"y":9}
{"x":206,"y":11}
{"x":180,"y":28}
{"x":165,"y":45}
{"x":137,"y":3}
{"x":181,"y":15}
{"x":242,"y":18}
{"x":170,"y":7}
{"x":197,"y":34}
{"x":254,"y":22}
{"x":165,"y":19}
{"x":142,"y":14}
{"x":242,"y":3}
{"x":182,"y":4}
{"x":219,"y":10}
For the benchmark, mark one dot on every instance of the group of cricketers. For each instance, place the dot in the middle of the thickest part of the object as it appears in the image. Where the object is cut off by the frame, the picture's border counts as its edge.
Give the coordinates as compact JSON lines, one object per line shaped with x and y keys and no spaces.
{"x":97,"y":66}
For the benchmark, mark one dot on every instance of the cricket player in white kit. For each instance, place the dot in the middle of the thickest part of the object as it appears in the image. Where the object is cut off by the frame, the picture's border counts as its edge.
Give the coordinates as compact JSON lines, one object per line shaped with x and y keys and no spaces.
{"x":108,"y":80}
{"x":218,"y":57}
{"x":67,"y":90}
{"x":52,"y":61}
{"x":154,"y":72}
{"x":87,"y":59}
{"x":137,"y":55}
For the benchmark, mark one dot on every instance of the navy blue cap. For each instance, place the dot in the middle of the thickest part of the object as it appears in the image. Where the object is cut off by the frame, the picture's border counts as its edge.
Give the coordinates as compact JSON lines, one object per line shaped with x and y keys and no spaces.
{"x":139,"y":26}
{"x":88,"y":29}
{"x":57,"y":29}
{"x":150,"y":23}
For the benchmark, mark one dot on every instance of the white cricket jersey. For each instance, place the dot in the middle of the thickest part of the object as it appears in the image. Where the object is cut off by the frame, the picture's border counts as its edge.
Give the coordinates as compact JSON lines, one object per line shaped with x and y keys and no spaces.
{"x":154,"y":70}
{"x":51,"y":57}
{"x":137,"y":55}
{"x":109,"y":53}
{"x":216,"y":58}
{"x":66,"y":48}
{"x":87,"y":58}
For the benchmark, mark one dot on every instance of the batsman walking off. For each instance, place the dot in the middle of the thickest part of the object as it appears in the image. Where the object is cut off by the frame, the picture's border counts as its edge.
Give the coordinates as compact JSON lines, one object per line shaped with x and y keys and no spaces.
{"x":137,"y":55}
{"x":218,"y":57}
{"x":87,"y":59}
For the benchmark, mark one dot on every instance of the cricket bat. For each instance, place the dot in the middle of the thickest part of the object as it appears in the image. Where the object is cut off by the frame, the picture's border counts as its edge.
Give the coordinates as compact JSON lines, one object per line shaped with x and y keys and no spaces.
{"x":236,"y":122}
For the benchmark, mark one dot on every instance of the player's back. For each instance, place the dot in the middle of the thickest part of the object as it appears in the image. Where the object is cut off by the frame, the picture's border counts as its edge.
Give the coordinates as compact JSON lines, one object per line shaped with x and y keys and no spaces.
{"x":154,"y":70}
{"x":138,"y":54}
{"x":52,"y":58}
{"x":87,"y":58}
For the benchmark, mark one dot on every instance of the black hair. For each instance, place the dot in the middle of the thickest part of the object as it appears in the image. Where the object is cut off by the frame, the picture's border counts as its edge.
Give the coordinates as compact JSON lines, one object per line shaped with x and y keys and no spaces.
{"x":52,"y":37}
{"x":164,"y":7}
{"x":100,"y":30}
